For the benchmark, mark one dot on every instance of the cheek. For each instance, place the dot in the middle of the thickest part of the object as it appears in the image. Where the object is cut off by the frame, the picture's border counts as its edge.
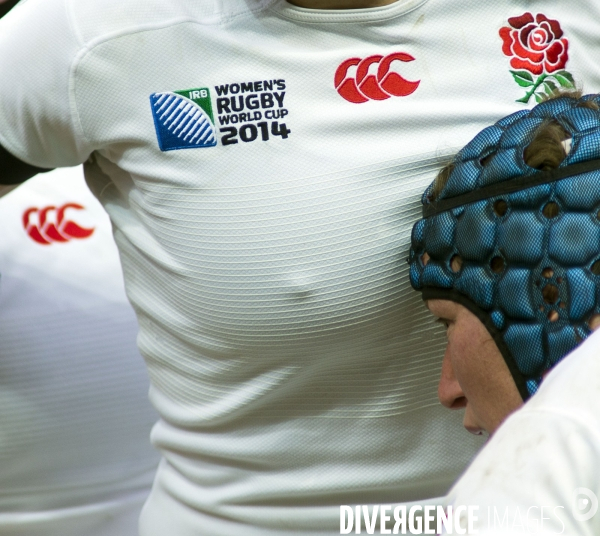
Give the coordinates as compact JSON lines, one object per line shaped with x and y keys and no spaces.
{"x":483,"y":376}
{"x":467,"y":349}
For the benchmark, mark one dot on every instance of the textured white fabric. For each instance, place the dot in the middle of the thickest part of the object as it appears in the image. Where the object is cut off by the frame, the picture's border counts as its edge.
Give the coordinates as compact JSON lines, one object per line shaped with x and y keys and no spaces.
{"x":293,"y":368}
{"x":75,"y":456}
{"x":546,"y":454}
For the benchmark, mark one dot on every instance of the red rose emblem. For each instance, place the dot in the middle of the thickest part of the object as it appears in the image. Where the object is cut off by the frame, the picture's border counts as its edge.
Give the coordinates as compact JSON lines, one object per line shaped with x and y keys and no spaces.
{"x":535,"y":44}
{"x":536,"y":47}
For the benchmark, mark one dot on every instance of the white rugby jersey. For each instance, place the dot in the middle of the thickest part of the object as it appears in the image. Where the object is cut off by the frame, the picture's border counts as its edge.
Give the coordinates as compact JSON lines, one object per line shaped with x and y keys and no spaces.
{"x":75,"y":456}
{"x":262,"y":165}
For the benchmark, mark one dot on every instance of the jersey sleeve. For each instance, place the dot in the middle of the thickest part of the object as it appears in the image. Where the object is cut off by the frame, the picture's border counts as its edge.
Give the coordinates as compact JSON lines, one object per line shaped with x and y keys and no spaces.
{"x":532,"y":473}
{"x":38,"y":116}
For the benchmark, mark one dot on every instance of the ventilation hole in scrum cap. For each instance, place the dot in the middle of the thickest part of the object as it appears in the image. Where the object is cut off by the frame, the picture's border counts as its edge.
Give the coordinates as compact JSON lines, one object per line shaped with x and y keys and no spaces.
{"x":497,"y":265}
{"x":425,"y":258}
{"x":500,"y":207}
{"x":559,"y":280}
{"x":485,"y":160}
{"x":456,"y":263}
{"x":550,"y":294}
{"x":596,"y":267}
{"x":594,"y":321}
{"x":550,"y":210}
{"x":546,"y":151}
{"x":547,"y":272}
{"x":567,"y":145}
{"x":553,"y":316}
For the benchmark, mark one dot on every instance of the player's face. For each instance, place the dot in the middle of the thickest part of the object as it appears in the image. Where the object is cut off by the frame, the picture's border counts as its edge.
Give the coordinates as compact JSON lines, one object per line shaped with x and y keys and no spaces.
{"x":474,"y":373}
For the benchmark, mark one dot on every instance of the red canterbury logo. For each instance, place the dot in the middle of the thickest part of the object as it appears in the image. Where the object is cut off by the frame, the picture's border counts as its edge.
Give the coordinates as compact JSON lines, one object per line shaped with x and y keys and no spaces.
{"x":52,"y":225}
{"x":379,"y":85}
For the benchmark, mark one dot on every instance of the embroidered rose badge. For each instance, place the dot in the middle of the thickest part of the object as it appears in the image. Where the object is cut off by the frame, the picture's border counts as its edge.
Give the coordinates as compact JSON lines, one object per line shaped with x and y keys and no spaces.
{"x":536,"y":47}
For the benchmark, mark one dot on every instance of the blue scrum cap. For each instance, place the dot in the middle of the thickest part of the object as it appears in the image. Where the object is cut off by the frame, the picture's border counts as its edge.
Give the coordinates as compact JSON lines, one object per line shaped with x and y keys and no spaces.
{"x":531,"y":279}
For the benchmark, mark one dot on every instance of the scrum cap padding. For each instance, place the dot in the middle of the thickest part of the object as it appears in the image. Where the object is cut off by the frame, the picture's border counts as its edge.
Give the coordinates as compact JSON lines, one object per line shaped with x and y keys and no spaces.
{"x":529,"y":241}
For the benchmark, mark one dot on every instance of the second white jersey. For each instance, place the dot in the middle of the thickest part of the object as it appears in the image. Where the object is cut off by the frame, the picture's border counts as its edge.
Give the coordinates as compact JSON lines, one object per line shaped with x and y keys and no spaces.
{"x":75,"y":420}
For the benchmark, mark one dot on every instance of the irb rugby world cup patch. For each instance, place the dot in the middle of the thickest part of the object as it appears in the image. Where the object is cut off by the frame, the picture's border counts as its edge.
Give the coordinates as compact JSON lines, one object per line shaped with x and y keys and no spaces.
{"x":183,"y":119}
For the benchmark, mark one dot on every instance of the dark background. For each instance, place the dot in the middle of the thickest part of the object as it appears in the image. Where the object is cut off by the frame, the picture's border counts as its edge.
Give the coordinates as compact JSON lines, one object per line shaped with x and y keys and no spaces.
{"x":6,"y":6}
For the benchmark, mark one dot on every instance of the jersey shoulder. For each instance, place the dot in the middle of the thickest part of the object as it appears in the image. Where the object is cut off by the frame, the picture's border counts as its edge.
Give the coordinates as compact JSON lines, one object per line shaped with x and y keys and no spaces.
{"x":98,"y":21}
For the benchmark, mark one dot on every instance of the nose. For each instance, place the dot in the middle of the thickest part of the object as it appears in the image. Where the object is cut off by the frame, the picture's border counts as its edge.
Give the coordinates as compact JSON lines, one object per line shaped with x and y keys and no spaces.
{"x":449,"y":391}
